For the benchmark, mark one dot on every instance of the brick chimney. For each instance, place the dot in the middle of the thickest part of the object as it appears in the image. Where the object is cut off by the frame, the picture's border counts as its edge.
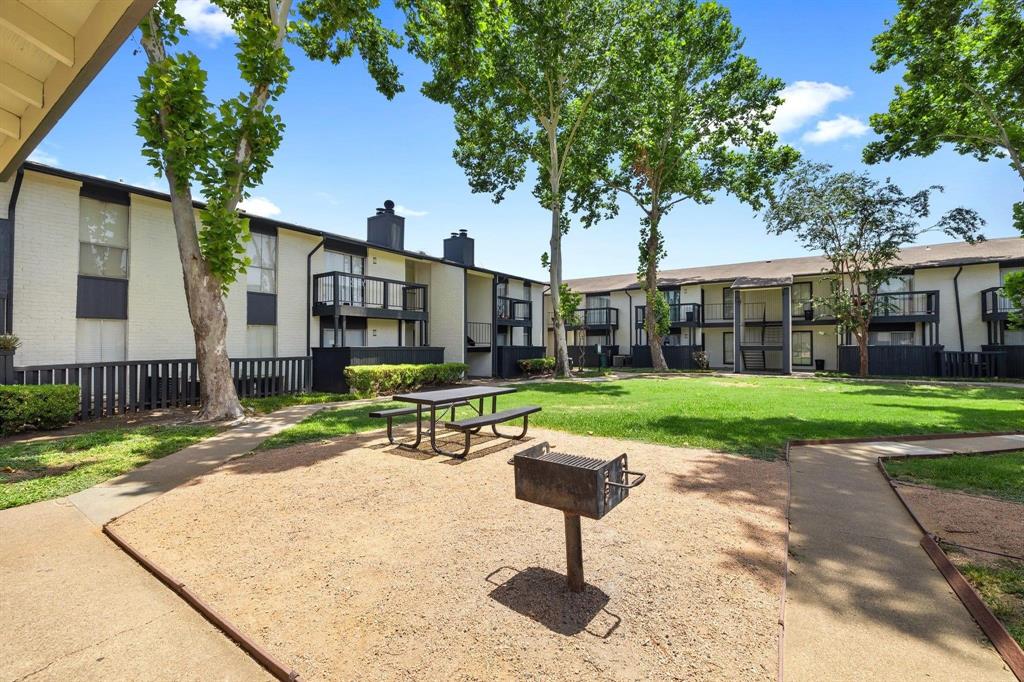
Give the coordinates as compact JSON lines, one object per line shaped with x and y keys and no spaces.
{"x":386,"y":229}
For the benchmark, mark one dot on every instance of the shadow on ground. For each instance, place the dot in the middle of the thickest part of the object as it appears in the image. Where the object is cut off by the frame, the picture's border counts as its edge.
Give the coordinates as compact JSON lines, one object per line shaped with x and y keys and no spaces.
{"x":543,"y":596}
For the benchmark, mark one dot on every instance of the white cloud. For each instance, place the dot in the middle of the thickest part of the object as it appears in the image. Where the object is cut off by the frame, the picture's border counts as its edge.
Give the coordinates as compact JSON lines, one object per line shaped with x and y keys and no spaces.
{"x":260,"y":206}
{"x":409,"y":212}
{"x":803,"y":101}
{"x":46,"y":158}
{"x":204,"y":19}
{"x":834,"y":129}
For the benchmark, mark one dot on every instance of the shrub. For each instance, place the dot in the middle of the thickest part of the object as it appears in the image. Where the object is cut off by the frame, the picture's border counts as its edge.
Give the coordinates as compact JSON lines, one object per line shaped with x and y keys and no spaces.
{"x":700,"y":359}
{"x":36,"y":407}
{"x":9,"y":342}
{"x":537,"y":365}
{"x":371,"y":380}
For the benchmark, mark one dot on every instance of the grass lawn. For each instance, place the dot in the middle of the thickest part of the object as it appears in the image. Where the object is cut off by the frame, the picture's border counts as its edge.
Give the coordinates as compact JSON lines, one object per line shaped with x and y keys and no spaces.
{"x":1001,"y":585}
{"x":749,"y":415}
{"x":42,"y":470}
{"x":995,"y":475}
{"x":333,"y":423}
{"x":278,"y":402}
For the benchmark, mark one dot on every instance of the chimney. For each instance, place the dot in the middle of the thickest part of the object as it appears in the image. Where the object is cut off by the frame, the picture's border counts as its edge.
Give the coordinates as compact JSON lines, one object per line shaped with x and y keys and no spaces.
{"x":459,"y":248}
{"x":386,"y":229}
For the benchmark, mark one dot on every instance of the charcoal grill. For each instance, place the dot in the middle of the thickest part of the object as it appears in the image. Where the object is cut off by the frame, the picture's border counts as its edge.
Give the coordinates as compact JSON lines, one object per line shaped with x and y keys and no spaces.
{"x":577,"y":486}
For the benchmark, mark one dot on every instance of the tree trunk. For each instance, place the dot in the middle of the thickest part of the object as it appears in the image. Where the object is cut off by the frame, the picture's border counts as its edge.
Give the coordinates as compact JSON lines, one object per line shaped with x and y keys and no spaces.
{"x":862,"y":350}
{"x":555,"y":271}
{"x":654,"y":339}
{"x":219,"y":400}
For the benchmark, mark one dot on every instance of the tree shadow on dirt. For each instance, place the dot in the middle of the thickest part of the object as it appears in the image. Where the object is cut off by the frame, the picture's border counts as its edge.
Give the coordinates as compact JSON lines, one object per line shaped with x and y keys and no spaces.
{"x":543,"y":596}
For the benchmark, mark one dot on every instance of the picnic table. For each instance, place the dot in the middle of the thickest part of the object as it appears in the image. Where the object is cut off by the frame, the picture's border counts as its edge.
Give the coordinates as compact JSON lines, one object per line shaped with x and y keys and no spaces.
{"x":446,"y":400}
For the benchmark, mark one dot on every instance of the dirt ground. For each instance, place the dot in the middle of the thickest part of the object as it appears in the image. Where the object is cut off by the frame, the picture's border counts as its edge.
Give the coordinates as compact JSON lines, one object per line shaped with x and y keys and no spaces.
{"x":971,"y":520}
{"x":356,"y":560}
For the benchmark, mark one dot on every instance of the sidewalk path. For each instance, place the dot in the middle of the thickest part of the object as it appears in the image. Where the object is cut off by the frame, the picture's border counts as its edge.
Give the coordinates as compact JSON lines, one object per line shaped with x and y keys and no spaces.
{"x":75,"y":607}
{"x":863,"y":600}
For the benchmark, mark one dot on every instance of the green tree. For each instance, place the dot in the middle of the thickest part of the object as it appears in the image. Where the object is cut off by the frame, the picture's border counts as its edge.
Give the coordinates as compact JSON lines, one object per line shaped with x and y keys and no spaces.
{"x":226,"y":149}
{"x":687,"y":118}
{"x":963,"y":82}
{"x":859,"y":224}
{"x":524,"y":78}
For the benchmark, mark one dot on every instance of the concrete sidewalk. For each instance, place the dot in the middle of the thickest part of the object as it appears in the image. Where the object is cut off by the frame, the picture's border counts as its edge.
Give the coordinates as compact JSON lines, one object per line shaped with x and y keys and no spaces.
{"x":863,"y":600}
{"x":75,"y":607}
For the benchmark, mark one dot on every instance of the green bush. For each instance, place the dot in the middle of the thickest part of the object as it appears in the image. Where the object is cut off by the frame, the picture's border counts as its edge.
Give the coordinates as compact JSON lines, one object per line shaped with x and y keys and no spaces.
{"x":367,"y":381}
{"x":537,"y":365}
{"x":36,"y":407}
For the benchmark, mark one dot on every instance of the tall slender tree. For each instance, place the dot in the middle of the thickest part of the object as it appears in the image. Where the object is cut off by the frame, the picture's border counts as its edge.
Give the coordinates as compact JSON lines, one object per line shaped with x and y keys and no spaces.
{"x":687,"y":118}
{"x":226,"y":149}
{"x":524,"y":78}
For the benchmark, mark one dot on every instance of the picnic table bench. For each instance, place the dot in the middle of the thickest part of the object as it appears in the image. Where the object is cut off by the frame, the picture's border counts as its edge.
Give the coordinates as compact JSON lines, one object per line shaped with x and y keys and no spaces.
{"x":446,"y":400}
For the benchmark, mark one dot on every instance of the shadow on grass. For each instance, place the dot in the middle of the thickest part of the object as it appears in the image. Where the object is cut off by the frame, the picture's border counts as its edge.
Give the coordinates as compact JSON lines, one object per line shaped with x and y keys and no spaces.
{"x":543,"y":596}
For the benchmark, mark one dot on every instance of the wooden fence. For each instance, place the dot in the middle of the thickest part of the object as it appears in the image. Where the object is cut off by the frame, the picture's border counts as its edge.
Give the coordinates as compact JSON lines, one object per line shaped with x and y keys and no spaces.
{"x":972,"y":364}
{"x":906,"y":361}
{"x":109,"y":388}
{"x":508,"y":358}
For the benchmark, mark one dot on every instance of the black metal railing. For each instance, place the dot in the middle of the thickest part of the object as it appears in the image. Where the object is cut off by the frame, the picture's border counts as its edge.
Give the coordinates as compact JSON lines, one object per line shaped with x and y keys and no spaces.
{"x":972,"y":364}
{"x":478,"y":334}
{"x":718,"y":312}
{"x":678,"y":314}
{"x":514,"y":309}
{"x":363,"y":291}
{"x":592,"y":317}
{"x":919,"y":304}
{"x":109,"y":388}
{"x":994,"y":302}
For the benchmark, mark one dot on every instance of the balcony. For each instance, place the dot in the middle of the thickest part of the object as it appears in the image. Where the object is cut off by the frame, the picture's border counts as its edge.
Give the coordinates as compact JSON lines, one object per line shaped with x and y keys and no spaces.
{"x":514,"y":311}
{"x":478,"y":337}
{"x":592,"y":318}
{"x":907,"y":306}
{"x":362,"y":296}
{"x":995,"y":305}
{"x":679,"y":315}
{"x":718,"y":313}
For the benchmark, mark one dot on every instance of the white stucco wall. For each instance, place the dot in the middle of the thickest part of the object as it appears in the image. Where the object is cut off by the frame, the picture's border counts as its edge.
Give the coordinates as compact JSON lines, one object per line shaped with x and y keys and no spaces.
{"x":46,"y":270}
{"x":972,"y":280}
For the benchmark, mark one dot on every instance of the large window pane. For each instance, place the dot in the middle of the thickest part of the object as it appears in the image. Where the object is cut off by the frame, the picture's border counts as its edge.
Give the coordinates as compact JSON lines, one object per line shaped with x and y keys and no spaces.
{"x":260,"y":341}
{"x":102,"y":261}
{"x":727,"y":351}
{"x":100,"y":341}
{"x":103,"y":239}
{"x":802,"y":348}
{"x":262,"y":272}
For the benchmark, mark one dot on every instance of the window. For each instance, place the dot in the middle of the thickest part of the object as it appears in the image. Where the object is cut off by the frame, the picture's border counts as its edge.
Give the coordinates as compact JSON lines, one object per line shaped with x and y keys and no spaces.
{"x":351,"y":292}
{"x":261,"y":341}
{"x":353,"y":337}
{"x":100,"y":340}
{"x":597,"y":305}
{"x":102,"y":239}
{"x":896,"y":284}
{"x":801,"y":295}
{"x":262,"y":272}
{"x":902,"y":338}
{"x":803,"y":348}
{"x":1013,"y":337}
{"x":680,"y":338}
{"x":727,"y":348}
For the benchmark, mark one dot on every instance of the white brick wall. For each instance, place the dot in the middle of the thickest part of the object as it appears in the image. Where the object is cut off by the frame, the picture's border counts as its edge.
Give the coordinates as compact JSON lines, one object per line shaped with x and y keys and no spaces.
{"x":46,"y":269}
{"x":446,"y":310}
{"x":971,"y":282}
{"x":292,"y":314}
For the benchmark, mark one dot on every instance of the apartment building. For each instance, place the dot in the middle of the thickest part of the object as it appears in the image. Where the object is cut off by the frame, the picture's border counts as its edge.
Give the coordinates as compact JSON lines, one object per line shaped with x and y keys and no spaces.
{"x":762,"y":316}
{"x":89,"y":273}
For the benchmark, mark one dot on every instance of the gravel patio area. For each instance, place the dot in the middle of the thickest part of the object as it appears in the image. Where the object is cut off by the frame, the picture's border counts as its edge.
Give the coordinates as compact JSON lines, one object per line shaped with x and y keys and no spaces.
{"x":356,"y":560}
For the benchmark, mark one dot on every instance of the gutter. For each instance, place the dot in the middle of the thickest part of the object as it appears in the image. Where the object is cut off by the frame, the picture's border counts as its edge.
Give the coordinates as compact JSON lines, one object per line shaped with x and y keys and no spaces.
{"x":309,"y":292}
{"x":8,"y":321}
{"x":959,"y":318}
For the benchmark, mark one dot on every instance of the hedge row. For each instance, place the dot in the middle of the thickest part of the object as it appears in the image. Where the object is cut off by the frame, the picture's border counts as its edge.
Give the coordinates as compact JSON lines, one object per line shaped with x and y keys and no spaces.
{"x":367,"y":381}
{"x":36,"y":407}
{"x":537,"y":365}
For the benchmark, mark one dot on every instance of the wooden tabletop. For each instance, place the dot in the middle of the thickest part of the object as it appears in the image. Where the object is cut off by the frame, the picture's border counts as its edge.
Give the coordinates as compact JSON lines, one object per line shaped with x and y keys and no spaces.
{"x":449,"y":395}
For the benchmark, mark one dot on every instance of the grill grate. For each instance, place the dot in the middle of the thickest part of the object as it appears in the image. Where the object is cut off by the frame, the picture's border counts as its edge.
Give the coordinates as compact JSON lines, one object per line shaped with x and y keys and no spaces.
{"x":575,"y":461}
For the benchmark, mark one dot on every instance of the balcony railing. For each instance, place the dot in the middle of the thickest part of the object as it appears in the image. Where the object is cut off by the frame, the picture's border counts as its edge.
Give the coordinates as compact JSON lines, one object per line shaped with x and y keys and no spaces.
{"x":592,"y":317}
{"x":718,"y":312}
{"x":514,"y":309}
{"x":678,"y":314}
{"x":478,"y":335}
{"x":361,"y":291}
{"x":907,"y":304}
{"x":995,"y":304}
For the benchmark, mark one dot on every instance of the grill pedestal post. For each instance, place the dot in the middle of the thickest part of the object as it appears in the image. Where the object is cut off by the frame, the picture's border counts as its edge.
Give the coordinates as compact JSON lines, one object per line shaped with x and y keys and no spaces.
{"x":574,"y":552}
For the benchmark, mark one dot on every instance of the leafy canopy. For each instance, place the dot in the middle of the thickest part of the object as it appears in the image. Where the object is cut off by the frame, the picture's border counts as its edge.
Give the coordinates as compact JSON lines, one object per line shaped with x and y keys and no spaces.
{"x":517,"y":74}
{"x":963,"y":84}
{"x":226,"y":148}
{"x":859,"y":224}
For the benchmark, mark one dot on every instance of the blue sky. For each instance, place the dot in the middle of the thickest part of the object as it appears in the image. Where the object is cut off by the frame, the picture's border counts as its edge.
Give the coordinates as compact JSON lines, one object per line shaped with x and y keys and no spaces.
{"x":347,"y":148}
